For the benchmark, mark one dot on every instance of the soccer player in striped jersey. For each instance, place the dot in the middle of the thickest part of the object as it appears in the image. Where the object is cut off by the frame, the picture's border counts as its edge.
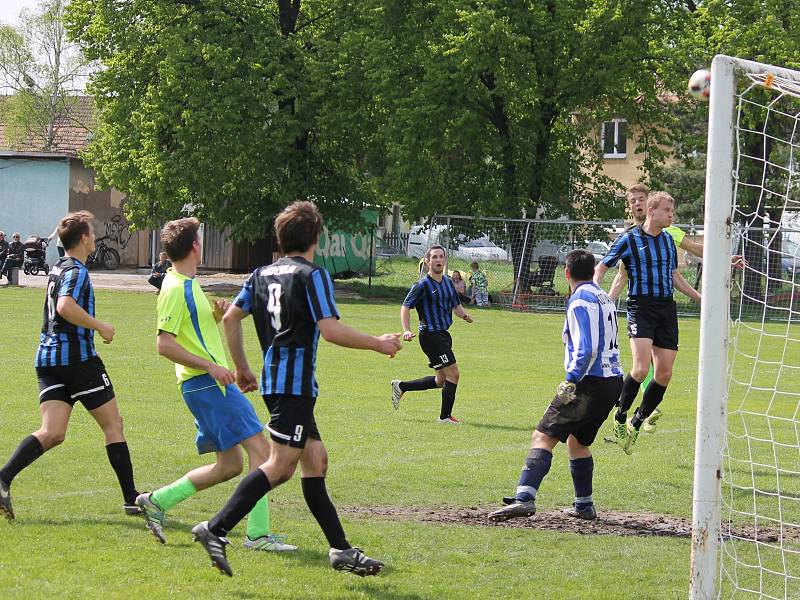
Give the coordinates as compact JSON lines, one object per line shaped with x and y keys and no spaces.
{"x":68,"y":367}
{"x":292,"y":303}
{"x":651,"y":260}
{"x":636,"y":197}
{"x":583,"y":400}
{"x":436,"y":299}
{"x":226,"y":422}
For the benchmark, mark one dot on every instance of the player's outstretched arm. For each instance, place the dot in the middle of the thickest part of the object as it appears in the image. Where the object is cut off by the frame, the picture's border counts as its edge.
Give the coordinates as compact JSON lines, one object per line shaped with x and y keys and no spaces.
{"x":340,"y":334}
{"x":682,"y":285}
{"x":692,"y":247}
{"x":462,"y":313}
{"x":599,"y":273}
{"x":620,"y":279}
{"x":169,"y":348}
{"x":232,"y":325}
{"x":72,"y":312}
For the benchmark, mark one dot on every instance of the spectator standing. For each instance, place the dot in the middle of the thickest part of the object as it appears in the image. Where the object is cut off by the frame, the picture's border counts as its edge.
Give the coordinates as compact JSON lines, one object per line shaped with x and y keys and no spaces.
{"x":480,"y":286}
{"x":59,"y":245}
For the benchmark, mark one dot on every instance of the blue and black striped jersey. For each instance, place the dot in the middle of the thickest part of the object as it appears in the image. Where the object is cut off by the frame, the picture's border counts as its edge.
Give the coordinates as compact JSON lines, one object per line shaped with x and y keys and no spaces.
{"x":650,"y":261}
{"x":62,"y":343}
{"x":287,"y":299}
{"x":434,"y":302}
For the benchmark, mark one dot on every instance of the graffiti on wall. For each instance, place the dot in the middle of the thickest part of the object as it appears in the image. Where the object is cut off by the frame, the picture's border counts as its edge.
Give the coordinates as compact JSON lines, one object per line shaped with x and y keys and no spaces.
{"x":117,"y":232}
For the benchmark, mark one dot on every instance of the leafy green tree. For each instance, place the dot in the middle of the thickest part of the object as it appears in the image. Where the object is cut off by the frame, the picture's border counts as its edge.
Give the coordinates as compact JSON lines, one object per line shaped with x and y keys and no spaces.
{"x":44,"y":71}
{"x":224,"y":106}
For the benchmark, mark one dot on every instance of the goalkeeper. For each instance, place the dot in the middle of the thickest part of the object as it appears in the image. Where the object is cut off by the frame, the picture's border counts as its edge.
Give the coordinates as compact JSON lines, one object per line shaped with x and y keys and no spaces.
{"x":583,"y":400}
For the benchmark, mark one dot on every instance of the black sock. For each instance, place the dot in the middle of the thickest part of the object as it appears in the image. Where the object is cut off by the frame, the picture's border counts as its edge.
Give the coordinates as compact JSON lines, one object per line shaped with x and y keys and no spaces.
{"x":653,"y":396}
{"x":581,"y":470}
{"x":537,"y":465}
{"x":630,"y":387}
{"x":448,"y":399}
{"x":120,"y":459}
{"x":249,"y":491}
{"x":28,"y":451}
{"x":417,"y":385}
{"x":320,"y":505}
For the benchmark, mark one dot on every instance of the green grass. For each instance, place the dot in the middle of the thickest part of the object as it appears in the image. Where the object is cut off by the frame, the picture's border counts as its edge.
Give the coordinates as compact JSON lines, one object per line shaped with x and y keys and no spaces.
{"x":71,"y":540}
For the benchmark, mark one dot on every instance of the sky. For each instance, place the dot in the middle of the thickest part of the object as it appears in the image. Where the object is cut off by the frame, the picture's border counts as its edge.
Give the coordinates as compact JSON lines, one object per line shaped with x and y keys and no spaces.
{"x":9,"y":9}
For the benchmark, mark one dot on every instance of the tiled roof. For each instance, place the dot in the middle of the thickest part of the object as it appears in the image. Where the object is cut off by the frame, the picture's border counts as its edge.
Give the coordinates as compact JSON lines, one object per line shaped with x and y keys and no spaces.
{"x":72,"y":131}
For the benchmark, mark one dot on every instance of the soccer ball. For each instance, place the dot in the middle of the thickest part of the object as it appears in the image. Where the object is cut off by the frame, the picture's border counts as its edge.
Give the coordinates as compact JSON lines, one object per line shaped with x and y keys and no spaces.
{"x":700,"y":85}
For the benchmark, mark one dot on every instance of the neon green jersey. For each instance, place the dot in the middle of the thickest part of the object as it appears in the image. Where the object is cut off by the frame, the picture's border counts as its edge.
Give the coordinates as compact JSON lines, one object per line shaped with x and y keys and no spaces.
{"x":184,"y":311}
{"x":677,"y":234}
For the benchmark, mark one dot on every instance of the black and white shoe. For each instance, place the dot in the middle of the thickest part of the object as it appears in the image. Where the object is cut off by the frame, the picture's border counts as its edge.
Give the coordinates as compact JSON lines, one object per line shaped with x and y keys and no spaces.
{"x":588,"y":512}
{"x":397,"y":393}
{"x":514,"y":510}
{"x":214,"y":545}
{"x":354,"y":561}
{"x":5,"y":501}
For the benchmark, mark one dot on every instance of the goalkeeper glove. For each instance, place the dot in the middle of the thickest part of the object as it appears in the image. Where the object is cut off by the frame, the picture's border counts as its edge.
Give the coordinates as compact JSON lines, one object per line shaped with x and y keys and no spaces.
{"x":566,"y":391}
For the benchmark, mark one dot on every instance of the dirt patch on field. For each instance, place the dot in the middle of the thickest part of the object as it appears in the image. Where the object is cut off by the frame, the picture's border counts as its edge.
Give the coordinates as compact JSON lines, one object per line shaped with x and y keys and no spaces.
{"x":607,"y":522}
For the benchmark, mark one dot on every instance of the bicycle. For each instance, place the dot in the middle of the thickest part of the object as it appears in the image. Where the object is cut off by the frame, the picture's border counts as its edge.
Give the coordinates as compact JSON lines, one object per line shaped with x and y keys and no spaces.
{"x":103,"y":255}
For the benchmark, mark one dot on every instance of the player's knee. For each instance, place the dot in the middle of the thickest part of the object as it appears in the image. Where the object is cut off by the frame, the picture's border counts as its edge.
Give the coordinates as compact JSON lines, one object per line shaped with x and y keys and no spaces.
{"x":283,"y":474}
{"x":50,"y":439}
{"x":231,"y":469}
{"x":639,"y":373}
{"x":663,"y":377}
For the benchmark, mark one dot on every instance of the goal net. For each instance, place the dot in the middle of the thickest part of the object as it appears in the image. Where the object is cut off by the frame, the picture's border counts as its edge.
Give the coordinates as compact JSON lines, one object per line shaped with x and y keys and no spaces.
{"x":746,"y":511}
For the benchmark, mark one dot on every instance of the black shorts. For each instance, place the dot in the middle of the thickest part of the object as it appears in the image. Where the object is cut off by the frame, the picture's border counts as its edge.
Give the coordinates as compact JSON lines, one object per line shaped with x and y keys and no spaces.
{"x":291,"y":419}
{"x":655,"y":319}
{"x":438,"y":347}
{"x":86,"y":382}
{"x":583,"y":417}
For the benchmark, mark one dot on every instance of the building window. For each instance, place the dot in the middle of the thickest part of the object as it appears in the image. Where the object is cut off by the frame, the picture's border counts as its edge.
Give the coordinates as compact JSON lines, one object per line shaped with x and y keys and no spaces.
{"x":613,"y":139}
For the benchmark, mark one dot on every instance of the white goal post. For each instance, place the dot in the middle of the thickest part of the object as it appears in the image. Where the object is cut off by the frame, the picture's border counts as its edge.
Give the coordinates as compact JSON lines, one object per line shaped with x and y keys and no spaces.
{"x":740,"y":345}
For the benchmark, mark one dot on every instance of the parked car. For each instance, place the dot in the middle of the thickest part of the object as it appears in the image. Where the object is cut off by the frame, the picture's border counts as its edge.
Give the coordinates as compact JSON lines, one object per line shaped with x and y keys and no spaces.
{"x":598,"y":248}
{"x":479,"y":249}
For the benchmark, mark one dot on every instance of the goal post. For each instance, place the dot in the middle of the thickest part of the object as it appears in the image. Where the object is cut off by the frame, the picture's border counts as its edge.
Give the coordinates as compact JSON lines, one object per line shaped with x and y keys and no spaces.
{"x":744,"y":93}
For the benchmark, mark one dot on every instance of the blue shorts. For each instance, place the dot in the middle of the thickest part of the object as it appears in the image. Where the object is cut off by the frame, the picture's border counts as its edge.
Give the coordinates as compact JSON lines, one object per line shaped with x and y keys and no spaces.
{"x":223,"y":419}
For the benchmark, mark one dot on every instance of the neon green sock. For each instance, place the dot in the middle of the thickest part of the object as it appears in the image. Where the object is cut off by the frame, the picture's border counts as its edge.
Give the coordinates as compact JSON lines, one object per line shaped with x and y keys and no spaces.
{"x":258,"y":519}
{"x":174,"y":493}
{"x":647,"y":379}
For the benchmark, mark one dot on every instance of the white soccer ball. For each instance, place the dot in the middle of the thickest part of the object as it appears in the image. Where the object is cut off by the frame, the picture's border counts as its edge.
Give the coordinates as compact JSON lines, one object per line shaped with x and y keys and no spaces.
{"x":700,"y":85}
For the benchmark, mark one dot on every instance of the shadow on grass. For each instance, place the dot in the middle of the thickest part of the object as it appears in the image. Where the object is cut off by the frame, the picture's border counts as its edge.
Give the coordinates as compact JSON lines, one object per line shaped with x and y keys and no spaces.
{"x":475,"y":425}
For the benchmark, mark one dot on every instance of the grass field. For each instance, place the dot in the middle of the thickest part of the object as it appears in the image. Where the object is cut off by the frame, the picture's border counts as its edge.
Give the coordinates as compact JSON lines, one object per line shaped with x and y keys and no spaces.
{"x":71,"y":539}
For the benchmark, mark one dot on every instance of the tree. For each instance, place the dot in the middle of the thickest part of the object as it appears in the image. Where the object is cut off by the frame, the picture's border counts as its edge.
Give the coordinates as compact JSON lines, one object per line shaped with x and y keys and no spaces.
{"x":224,"y":106}
{"x":489,"y":107}
{"x":44,"y":70}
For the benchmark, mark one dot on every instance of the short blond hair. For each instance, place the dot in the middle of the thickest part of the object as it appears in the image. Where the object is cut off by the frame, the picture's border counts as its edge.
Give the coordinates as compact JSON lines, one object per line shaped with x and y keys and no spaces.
{"x":655,"y":199}
{"x":639,"y":187}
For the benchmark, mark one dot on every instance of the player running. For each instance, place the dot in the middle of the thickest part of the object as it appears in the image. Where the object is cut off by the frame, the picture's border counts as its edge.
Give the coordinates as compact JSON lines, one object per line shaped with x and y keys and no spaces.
{"x":188,"y":336}
{"x":651,"y":260}
{"x":583,"y":400}
{"x":436,"y":299}
{"x":291,"y":302}
{"x":68,"y":367}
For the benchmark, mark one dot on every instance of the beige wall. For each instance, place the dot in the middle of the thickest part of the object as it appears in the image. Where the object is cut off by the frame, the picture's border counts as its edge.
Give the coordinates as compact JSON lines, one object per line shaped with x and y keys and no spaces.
{"x":106,"y":205}
{"x":626,"y":170}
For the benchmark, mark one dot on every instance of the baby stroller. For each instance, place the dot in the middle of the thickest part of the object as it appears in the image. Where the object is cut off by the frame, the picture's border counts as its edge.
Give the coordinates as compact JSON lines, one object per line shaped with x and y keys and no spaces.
{"x":35,"y":253}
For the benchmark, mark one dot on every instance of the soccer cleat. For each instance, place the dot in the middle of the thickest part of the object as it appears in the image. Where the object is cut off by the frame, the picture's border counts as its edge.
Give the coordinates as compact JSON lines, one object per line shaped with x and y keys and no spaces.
{"x":214,"y":545}
{"x":588,"y":512}
{"x":619,"y":434}
{"x":5,"y":501}
{"x":649,"y":424}
{"x":269,"y":543}
{"x":354,"y":561}
{"x":154,"y":517}
{"x":132,"y":510}
{"x":633,"y":434}
{"x":397,"y":393}
{"x":451,"y":420}
{"x":514,"y":510}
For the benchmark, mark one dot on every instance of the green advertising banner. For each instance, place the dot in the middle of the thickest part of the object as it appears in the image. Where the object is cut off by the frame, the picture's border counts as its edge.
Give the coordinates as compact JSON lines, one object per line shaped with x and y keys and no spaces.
{"x":343,"y":254}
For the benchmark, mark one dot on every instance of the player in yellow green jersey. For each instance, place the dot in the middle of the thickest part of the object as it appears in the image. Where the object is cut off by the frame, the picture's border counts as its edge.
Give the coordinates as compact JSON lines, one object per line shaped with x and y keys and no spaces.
{"x":226,"y":421}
